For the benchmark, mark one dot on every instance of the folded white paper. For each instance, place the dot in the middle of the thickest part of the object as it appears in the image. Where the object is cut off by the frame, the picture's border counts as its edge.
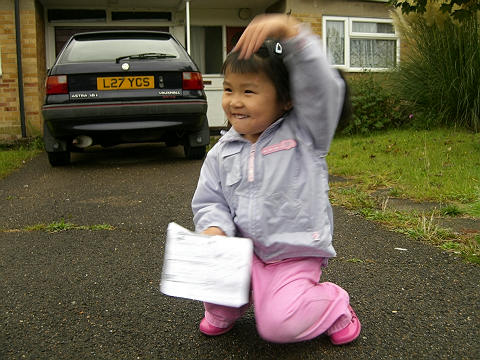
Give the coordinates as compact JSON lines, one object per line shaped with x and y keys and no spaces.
{"x":214,"y":269}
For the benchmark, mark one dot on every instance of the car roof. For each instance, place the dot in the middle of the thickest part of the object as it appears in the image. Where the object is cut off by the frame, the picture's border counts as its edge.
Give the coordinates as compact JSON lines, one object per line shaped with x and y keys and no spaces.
{"x":120,"y":34}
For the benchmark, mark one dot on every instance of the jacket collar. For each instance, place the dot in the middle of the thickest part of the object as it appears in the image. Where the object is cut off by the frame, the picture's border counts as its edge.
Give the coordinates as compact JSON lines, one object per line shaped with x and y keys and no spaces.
{"x":232,"y":135}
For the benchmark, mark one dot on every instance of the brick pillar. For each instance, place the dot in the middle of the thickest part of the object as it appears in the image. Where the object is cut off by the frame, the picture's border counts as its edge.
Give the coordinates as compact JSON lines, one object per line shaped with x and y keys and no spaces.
{"x":9,"y":115}
{"x":33,"y":63}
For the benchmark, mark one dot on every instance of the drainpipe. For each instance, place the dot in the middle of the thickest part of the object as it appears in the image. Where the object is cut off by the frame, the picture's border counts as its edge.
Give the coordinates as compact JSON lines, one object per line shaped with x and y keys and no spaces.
{"x":187,"y":15}
{"x":19,"y":68}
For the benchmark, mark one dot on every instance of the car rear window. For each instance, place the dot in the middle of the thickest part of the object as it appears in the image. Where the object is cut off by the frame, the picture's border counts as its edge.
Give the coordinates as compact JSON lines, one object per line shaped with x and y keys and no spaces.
{"x":98,"y":50}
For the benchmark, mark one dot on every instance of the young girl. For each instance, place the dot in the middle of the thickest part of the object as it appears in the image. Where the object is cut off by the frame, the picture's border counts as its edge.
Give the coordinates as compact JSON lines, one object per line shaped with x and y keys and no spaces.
{"x":267,"y":180}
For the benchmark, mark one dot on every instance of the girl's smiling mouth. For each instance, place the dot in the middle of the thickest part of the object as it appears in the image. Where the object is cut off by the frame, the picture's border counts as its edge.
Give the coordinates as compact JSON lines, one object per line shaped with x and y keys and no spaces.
{"x":240,"y":116}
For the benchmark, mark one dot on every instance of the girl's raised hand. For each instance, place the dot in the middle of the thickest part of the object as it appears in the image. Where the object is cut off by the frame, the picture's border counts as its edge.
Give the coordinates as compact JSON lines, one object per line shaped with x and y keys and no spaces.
{"x":277,"y":26}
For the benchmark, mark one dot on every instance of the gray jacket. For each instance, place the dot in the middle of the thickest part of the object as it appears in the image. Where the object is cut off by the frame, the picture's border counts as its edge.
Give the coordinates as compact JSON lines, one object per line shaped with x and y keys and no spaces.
{"x":275,"y":191}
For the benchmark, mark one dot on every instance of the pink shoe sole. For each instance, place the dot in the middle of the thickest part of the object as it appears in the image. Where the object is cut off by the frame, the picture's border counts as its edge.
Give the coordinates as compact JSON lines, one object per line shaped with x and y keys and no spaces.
{"x":348,"y":334}
{"x":210,"y":330}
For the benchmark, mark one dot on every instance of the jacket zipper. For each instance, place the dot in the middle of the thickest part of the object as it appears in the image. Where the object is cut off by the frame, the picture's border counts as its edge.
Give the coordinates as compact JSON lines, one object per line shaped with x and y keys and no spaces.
{"x":251,"y":163}
{"x":251,"y":179}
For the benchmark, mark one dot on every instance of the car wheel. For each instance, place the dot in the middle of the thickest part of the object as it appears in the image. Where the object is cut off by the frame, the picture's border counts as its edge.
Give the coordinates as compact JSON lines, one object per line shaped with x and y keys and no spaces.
{"x":59,"y":158}
{"x":195,"y":153}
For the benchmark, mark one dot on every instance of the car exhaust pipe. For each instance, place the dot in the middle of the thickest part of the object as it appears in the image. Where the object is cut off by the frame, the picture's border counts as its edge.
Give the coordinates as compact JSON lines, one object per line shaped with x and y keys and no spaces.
{"x":82,"y":141}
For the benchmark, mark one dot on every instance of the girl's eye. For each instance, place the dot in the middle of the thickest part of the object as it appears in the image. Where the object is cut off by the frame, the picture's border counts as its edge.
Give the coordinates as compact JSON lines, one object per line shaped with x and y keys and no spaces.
{"x":227,"y":90}
{"x":249,"y":92}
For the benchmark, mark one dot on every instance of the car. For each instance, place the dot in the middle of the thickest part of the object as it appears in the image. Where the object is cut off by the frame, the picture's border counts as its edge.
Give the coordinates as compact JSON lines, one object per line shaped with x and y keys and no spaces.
{"x":115,"y":87}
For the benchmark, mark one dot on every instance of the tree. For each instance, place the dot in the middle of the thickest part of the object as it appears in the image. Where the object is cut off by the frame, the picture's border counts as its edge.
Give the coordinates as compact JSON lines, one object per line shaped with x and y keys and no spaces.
{"x":458,"y":9}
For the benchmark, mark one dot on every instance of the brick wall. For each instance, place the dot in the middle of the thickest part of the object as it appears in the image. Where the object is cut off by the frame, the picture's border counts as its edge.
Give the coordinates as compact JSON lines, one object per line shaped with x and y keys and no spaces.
{"x":8,"y":80}
{"x":315,"y":21}
{"x":33,"y":60}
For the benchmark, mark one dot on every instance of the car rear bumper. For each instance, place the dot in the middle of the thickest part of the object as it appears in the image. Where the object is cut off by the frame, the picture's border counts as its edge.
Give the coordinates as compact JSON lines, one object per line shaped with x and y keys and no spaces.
{"x":70,"y":119}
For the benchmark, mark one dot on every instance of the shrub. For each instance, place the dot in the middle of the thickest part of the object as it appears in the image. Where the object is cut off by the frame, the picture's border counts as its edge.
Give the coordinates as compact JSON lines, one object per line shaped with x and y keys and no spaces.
{"x":374,"y":106}
{"x":439,"y":76}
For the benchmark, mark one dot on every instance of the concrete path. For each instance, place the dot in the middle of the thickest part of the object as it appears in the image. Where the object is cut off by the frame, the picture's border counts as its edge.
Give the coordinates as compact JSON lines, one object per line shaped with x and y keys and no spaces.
{"x":82,"y":294}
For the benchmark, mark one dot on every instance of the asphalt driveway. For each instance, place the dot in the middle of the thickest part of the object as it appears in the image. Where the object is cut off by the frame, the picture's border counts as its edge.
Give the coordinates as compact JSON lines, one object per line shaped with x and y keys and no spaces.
{"x":82,"y":294}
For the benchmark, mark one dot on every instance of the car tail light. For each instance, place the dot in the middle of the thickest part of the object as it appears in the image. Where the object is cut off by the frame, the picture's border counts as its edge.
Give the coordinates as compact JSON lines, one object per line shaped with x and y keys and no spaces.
{"x":192,"y":81}
{"x":57,"y":85}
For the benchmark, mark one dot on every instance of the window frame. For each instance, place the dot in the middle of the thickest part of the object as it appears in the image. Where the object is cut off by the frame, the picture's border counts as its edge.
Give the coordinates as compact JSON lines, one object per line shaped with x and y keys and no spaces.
{"x":350,"y":34}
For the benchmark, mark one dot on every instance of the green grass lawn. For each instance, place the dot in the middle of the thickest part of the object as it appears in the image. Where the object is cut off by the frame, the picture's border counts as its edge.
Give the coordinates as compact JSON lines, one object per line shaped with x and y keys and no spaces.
{"x":13,"y":156}
{"x":437,"y":165}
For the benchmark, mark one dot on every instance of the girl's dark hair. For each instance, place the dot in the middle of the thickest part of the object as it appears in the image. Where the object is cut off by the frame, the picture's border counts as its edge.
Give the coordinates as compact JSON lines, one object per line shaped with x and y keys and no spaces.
{"x":269,"y":60}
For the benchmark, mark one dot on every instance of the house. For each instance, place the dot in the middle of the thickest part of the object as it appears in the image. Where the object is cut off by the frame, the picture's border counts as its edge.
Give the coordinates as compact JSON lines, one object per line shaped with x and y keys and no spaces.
{"x":357,"y":35}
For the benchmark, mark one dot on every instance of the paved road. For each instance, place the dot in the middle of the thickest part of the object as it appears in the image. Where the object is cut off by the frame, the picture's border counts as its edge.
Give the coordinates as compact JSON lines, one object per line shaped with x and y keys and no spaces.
{"x":85,"y":294}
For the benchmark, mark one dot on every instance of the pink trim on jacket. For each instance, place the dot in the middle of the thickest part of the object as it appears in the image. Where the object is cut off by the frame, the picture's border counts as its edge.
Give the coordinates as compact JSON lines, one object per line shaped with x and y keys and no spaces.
{"x":282,"y":145}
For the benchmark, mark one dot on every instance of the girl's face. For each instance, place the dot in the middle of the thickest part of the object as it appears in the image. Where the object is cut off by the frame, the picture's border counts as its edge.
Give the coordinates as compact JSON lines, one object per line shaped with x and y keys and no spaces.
{"x":250,"y":103}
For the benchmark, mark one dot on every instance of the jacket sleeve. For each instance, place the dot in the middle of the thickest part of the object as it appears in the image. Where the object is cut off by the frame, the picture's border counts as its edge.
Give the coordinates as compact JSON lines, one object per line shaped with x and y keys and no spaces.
{"x":316,"y":88}
{"x":209,"y":205}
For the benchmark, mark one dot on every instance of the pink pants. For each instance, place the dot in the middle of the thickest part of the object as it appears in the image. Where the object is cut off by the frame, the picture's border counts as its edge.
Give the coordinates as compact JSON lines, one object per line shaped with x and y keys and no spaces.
{"x":290,"y":304}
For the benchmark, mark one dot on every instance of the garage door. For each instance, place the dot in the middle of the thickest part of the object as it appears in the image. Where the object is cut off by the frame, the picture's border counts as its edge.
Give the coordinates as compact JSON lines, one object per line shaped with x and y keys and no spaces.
{"x":63,"y":33}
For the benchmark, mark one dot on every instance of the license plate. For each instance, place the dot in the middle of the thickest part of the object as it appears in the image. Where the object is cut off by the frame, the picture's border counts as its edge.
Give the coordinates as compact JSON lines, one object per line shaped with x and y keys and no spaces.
{"x":125,"y":82}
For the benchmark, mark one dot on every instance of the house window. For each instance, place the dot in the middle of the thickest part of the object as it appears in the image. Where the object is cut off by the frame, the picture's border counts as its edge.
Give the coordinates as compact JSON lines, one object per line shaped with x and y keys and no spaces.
{"x":76,"y":15}
{"x":141,"y":16}
{"x":357,"y":44}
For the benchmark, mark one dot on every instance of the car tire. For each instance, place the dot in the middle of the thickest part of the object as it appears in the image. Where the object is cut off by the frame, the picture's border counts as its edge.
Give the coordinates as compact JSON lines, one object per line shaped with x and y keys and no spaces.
{"x":195,"y":153}
{"x":59,"y":158}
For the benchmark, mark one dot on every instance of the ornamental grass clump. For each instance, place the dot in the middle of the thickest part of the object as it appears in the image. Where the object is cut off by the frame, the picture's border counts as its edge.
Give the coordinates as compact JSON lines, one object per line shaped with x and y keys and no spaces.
{"x":439,"y":75}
